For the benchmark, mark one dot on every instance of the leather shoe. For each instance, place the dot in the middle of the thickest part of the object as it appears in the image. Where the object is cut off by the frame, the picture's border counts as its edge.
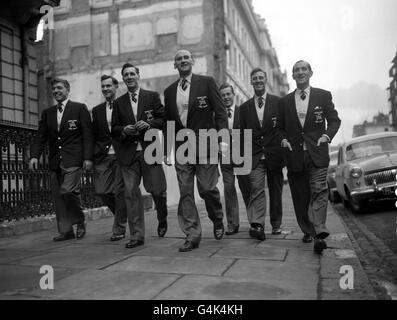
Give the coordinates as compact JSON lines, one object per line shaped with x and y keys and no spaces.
{"x":307,"y":238}
{"x":319,"y":245}
{"x":134,"y":243}
{"x":276,"y":231}
{"x":64,"y":236}
{"x":219,"y":232}
{"x":162,"y":229}
{"x":80,"y":232}
{"x":117,"y":237}
{"x":188,"y":246}
{"x":258,"y":232}
{"x":231,"y":230}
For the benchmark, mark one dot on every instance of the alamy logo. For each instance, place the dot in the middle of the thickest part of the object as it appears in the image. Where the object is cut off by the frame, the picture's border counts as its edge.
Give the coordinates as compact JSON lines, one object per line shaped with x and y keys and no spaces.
{"x":202,"y":147}
{"x":48,"y":17}
{"x":47,"y":280}
{"x":347,"y":280}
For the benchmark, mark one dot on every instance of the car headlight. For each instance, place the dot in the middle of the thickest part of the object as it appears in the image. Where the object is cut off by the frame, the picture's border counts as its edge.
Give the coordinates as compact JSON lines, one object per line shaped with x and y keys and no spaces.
{"x":356,"y":172}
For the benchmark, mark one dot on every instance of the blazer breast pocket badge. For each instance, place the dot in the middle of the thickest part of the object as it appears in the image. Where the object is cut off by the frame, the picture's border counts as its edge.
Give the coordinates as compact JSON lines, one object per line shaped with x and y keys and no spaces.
{"x":72,"y":125}
{"x":319,"y":115}
{"x":202,"y":102}
{"x":274,"y":119}
{"x":149,"y":115}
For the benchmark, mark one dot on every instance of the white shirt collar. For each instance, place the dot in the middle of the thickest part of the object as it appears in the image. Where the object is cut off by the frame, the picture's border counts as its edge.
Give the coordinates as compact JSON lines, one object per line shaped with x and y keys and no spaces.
{"x":188,"y":78}
{"x":136,"y":92}
{"x":63,"y":103}
{"x":263,"y":96}
{"x":299,"y":91}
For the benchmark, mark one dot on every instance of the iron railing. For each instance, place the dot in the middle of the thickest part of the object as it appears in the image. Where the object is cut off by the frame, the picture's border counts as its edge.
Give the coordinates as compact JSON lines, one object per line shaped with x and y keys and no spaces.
{"x":27,"y":193}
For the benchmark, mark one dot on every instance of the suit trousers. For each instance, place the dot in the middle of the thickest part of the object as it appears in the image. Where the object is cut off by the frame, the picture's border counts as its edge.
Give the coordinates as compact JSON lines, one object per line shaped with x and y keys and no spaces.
{"x":109,"y":187}
{"x":310,"y":197}
{"x":257,"y":206}
{"x":230,"y":194}
{"x":66,"y":186}
{"x":133,"y":198}
{"x":155,"y":183}
{"x":207,"y":179}
{"x":275,"y":181}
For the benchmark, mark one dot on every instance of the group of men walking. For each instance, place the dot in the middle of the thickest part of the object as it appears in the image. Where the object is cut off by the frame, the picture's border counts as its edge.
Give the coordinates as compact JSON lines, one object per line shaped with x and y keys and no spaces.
{"x":293,"y":131}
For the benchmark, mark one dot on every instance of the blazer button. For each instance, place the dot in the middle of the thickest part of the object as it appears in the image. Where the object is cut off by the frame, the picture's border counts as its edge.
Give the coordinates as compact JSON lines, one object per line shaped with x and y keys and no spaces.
{"x":60,"y":147}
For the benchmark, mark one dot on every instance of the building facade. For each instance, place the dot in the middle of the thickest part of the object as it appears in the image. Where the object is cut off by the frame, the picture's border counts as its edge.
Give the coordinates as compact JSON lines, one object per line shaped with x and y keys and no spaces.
{"x":93,"y":37}
{"x":393,"y":94}
{"x":96,"y":37}
{"x":380,"y":123}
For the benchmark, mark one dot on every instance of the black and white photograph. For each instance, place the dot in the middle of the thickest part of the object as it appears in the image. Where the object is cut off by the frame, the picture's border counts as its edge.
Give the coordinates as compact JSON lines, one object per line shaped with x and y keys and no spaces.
{"x":201,"y":156}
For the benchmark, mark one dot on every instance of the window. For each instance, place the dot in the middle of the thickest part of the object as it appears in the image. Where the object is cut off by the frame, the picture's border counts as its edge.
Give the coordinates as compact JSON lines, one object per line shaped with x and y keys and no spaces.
{"x":11,"y":77}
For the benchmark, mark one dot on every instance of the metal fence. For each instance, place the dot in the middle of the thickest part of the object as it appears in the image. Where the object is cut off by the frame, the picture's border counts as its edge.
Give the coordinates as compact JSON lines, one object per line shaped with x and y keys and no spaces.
{"x":27,"y":193}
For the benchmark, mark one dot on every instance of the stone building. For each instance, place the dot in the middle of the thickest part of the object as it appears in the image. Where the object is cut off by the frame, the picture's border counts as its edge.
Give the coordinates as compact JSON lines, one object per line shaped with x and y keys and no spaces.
{"x":393,"y":94}
{"x":379,"y":123}
{"x":92,"y":37}
{"x":95,"y":37}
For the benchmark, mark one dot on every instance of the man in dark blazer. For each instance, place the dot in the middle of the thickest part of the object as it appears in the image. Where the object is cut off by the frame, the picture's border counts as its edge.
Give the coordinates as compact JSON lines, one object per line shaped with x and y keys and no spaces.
{"x":134,"y":113}
{"x":260,"y":114}
{"x":307,"y":123}
{"x":107,"y":179}
{"x":228,"y":175}
{"x":193,"y":102}
{"x":68,"y":130}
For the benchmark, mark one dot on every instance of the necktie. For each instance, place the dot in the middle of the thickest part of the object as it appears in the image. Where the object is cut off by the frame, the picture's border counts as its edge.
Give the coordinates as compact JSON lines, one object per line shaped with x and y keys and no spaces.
{"x":133,"y":97}
{"x":184,"y":84}
{"x":229,"y":112}
{"x":260,"y":102}
{"x":303,"y":95}
{"x":60,"y":108}
{"x":111,"y":105}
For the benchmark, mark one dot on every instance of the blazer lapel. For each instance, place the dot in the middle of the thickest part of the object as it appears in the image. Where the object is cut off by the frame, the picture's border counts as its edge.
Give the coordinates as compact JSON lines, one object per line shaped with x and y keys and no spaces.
{"x":236,"y":122}
{"x":103,"y":116}
{"x":173,"y":101}
{"x":126,"y":103}
{"x":254,"y":113}
{"x":294,"y":112}
{"x":193,"y":92}
{"x":54,"y":118}
{"x":310,"y":107}
{"x":141,"y":104}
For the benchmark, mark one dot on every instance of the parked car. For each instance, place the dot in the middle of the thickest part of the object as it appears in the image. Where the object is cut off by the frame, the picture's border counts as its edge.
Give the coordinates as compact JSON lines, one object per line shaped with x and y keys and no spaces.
{"x":331,"y":183}
{"x":367,"y":169}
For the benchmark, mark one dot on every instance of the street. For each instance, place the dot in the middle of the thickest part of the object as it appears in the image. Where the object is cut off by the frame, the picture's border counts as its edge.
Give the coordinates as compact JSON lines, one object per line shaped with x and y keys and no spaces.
{"x":373,"y":234}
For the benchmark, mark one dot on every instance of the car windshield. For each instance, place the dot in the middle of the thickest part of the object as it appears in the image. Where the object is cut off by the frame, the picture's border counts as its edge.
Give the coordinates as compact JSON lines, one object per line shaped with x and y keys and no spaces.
{"x":371,"y":147}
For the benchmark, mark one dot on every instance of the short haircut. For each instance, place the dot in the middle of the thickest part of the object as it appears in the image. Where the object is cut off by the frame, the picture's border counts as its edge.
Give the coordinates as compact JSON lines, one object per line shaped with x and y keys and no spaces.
{"x":258,"y":69}
{"x":180,"y":50}
{"x":308,"y":65}
{"x":226,"y":85}
{"x":129,"y":65}
{"x":63,"y":81}
{"x":114,"y":80}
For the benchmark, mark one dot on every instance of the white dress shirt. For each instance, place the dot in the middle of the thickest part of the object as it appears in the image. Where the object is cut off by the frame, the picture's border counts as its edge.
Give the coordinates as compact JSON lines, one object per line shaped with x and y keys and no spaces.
{"x":302,"y":106}
{"x":182,"y":99}
{"x":260,"y":111}
{"x":232,"y":111}
{"x":109,"y":113}
{"x":134,"y":106}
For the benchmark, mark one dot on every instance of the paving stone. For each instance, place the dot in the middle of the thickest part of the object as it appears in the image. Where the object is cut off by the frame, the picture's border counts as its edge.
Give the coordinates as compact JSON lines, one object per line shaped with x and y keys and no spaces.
{"x":263,"y":253}
{"x":81,"y":256}
{"x":290,"y":276}
{"x":19,"y":280}
{"x":103,"y":285}
{"x":202,"y":266}
{"x":226,"y":288}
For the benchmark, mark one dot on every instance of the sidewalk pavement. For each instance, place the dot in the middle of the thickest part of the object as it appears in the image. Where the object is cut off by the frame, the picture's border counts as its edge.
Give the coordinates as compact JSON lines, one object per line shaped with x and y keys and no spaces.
{"x":234,"y":268}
